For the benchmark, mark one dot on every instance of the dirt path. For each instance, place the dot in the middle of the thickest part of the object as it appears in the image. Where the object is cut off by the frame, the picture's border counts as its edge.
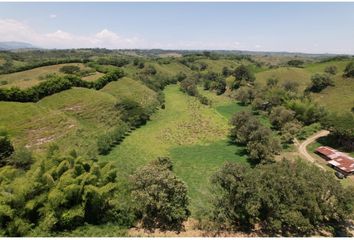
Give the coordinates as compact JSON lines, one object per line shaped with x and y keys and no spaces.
{"x":302,"y":148}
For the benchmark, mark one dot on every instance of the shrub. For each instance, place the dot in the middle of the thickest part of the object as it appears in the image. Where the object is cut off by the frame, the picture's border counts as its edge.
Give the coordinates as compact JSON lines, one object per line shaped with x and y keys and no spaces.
{"x":22,"y":158}
{"x":320,"y":82}
{"x":69,"y":69}
{"x":6,"y":148}
{"x":349,"y":70}
{"x":331,"y":70}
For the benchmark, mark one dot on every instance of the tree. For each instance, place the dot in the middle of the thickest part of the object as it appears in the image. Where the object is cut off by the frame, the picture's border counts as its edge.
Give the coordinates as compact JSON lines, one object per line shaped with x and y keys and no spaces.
{"x":258,"y":139}
{"x":161,"y":198}
{"x":6,"y":148}
{"x":295,"y":63}
{"x":262,"y":146}
{"x":320,"y":82}
{"x":349,"y":70}
{"x":280,"y":116}
{"x":245,"y":95}
{"x":289,"y":198}
{"x":331,"y":70}
{"x":188,"y":86}
{"x":342,"y":128}
{"x":289,"y":131}
{"x":243,"y":73}
{"x":132,"y":113}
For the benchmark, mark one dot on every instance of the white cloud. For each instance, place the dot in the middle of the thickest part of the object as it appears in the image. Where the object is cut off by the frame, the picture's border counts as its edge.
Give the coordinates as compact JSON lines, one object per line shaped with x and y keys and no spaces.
{"x":13,"y":30}
{"x":53,"y":16}
{"x":257,"y":46}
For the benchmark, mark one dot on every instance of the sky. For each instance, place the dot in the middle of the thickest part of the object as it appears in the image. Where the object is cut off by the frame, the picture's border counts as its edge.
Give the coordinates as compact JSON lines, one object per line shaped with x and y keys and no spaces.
{"x":291,"y":27}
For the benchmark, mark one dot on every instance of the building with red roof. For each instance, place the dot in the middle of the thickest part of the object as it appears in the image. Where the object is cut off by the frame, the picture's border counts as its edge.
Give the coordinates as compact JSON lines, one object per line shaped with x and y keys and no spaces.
{"x":337,"y":160}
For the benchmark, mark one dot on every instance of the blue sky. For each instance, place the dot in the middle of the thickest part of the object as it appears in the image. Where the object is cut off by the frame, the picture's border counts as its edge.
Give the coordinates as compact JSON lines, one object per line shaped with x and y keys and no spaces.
{"x":295,"y":27}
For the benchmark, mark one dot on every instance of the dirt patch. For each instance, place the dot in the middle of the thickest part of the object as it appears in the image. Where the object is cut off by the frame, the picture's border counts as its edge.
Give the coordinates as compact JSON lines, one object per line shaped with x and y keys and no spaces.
{"x":190,"y":231}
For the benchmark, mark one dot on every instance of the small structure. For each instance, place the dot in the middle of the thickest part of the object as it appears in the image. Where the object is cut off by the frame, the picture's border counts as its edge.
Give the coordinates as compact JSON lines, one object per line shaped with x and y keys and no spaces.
{"x":343,"y":164}
{"x":337,"y":160}
{"x":328,"y":153}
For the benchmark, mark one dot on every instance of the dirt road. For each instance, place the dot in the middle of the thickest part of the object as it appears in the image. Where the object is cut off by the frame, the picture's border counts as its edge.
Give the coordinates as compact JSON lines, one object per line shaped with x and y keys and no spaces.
{"x":302,"y":148}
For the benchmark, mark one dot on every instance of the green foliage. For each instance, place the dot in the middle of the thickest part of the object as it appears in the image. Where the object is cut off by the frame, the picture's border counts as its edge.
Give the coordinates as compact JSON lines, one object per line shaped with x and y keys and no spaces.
{"x":62,"y":193}
{"x":107,"y":141}
{"x":295,"y":63}
{"x":306,"y":111}
{"x":160,"y":197}
{"x":245,"y":95}
{"x":349,"y":70}
{"x":132,"y":112}
{"x":280,"y":116}
{"x":188,"y":86}
{"x":70,"y":69}
{"x":342,"y":128}
{"x":242,"y":73}
{"x":6,"y":148}
{"x":260,"y":143}
{"x":331,"y":70}
{"x":21,"y":158}
{"x":287,"y":198}
{"x":320,"y":82}
{"x":56,"y":85}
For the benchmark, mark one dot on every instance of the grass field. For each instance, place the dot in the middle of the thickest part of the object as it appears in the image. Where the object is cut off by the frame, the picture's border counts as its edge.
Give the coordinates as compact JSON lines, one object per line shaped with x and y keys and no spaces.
{"x":34,"y":76}
{"x":193,"y":135}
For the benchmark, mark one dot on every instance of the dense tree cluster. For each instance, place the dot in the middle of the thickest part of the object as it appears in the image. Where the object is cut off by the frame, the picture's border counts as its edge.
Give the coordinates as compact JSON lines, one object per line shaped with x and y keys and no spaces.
{"x":61,"y":193}
{"x":295,"y":63}
{"x":55,"y":85}
{"x":260,"y":143}
{"x":160,"y":197}
{"x":243,"y":74}
{"x":342,"y":128}
{"x":289,"y":198}
{"x":214,"y":81}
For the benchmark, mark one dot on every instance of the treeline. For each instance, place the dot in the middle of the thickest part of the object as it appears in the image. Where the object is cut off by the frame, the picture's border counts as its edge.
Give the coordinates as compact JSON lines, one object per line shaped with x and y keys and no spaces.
{"x":63,"y":193}
{"x":28,"y":66}
{"x":55,"y":85}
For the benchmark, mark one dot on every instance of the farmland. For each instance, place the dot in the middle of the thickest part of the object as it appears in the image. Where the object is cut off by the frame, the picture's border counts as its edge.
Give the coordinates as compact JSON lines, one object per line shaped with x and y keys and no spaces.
{"x":188,"y":124}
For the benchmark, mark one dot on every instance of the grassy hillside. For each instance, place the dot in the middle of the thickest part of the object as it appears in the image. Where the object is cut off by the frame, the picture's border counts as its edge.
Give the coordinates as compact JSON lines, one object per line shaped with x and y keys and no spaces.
{"x":302,"y":76}
{"x":34,"y":76}
{"x":339,"y":97}
{"x":33,"y":126}
{"x":127,"y":88}
{"x":193,"y":135}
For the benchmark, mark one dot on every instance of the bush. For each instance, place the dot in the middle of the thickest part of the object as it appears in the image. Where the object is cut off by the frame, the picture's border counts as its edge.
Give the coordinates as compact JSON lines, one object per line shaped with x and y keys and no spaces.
{"x":331,"y":70}
{"x":349,"y":70}
{"x":320,"y":82}
{"x":6,"y":148}
{"x":69,"y":69}
{"x":22,"y":158}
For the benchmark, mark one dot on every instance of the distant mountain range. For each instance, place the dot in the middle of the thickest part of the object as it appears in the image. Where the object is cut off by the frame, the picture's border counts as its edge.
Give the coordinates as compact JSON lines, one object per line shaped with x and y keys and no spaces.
{"x":16,"y":45}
